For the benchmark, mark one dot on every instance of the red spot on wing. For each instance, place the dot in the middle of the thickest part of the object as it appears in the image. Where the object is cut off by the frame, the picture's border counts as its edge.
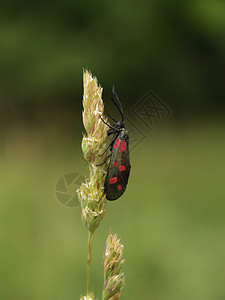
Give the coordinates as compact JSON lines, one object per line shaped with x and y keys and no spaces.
{"x":115,"y":164}
{"x":119,"y":187}
{"x":117,"y":143}
{"x":112,"y":180}
{"x":122,"y":146}
{"x":122,"y":168}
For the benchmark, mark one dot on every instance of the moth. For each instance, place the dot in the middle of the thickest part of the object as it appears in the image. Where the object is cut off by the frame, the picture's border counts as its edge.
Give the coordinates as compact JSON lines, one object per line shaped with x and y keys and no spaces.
{"x":119,"y":165}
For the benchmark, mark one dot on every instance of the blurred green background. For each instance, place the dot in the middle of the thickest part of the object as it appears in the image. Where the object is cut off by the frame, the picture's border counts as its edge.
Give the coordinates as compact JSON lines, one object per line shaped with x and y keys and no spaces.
{"x":171,"y":218}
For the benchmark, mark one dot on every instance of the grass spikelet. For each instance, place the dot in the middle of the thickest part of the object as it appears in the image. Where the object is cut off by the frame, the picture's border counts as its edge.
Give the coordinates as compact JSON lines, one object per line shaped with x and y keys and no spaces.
{"x":114,"y":278}
{"x":91,"y":192}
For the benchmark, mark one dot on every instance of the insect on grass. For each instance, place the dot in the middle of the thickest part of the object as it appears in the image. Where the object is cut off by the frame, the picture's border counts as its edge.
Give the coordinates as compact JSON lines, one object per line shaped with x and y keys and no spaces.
{"x":119,"y":166}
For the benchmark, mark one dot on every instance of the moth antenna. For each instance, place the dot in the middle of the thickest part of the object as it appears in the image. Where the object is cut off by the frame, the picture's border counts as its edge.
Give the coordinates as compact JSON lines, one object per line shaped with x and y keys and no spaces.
{"x":110,"y":116}
{"x":117,"y":98}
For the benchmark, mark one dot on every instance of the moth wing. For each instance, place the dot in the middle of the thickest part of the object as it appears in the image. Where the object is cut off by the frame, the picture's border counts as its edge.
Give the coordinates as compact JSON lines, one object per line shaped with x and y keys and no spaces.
{"x":118,"y":174}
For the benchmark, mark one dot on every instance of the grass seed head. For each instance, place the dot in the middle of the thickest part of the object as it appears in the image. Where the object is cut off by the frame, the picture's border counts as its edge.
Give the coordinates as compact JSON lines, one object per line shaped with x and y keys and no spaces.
{"x":114,"y":278}
{"x":91,"y":192}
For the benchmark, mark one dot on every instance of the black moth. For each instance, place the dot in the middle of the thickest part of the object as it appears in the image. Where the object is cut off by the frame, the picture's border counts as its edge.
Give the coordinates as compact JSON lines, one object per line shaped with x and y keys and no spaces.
{"x":119,"y":165}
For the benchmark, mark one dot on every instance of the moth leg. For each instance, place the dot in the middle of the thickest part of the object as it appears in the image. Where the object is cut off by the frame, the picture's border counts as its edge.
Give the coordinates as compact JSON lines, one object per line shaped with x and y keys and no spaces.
{"x":108,"y":125}
{"x":106,"y":149}
{"x":110,"y":145}
{"x":104,"y":160}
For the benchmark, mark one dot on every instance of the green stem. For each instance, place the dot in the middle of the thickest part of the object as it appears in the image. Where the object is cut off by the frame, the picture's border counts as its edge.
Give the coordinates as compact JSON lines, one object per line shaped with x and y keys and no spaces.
{"x":90,"y":241}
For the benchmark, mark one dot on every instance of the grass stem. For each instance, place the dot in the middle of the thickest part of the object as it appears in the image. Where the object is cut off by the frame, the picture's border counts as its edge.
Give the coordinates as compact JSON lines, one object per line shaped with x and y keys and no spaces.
{"x":90,"y":241}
